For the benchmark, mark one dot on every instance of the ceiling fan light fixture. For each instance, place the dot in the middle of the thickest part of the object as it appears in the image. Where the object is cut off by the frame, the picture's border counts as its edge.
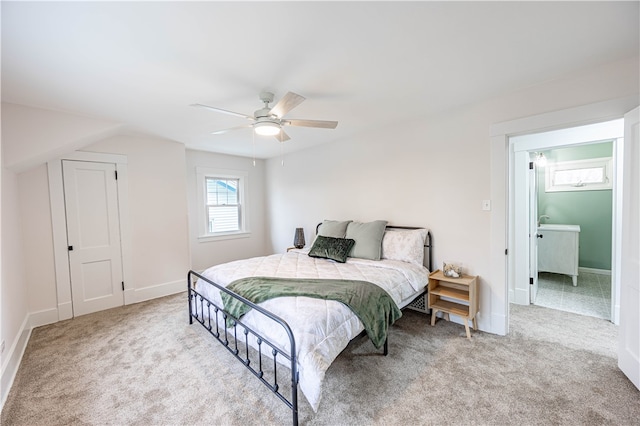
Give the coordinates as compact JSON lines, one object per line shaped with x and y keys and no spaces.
{"x":266,"y":128}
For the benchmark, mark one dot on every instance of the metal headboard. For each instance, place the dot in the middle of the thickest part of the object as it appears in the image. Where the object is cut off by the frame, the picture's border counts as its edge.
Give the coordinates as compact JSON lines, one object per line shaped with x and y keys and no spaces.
{"x":428,"y":243}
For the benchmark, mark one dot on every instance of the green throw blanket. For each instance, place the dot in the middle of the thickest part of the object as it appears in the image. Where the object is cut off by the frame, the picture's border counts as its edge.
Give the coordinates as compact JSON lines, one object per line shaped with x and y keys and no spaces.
{"x":375,"y":308}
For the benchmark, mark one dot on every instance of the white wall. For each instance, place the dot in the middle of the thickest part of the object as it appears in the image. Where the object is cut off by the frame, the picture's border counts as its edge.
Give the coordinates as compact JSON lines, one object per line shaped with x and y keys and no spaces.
{"x":37,"y":239}
{"x":158,"y":235}
{"x":208,"y":253}
{"x":157,"y":210}
{"x":437,"y":170}
{"x":32,"y":136}
{"x":14,"y":309}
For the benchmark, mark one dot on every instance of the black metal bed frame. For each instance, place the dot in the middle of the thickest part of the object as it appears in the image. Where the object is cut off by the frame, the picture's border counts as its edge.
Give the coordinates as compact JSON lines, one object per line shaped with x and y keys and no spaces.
{"x":218,"y":329}
{"x":196,"y":298}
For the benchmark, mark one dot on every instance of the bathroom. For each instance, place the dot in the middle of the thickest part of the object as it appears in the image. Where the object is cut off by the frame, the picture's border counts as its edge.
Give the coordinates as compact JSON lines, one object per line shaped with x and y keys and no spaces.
{"x":575,"y":188}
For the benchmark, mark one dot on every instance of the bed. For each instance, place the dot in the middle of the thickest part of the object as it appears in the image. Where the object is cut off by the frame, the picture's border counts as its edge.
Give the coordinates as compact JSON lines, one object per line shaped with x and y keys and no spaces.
{"x":305,"y":333}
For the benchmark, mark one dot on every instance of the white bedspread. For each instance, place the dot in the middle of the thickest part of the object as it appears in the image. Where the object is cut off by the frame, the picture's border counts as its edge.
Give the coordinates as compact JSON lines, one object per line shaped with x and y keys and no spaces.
{"x":322,"y":328}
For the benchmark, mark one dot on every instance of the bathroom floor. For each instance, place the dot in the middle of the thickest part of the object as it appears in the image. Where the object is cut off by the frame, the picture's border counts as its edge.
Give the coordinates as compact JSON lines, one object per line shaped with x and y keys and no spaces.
{"x":591,"y":297}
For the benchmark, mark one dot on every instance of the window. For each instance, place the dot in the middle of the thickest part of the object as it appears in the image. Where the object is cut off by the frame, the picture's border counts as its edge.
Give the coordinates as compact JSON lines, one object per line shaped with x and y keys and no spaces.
{"x":221,"y":203}
{"x":580,"y":175}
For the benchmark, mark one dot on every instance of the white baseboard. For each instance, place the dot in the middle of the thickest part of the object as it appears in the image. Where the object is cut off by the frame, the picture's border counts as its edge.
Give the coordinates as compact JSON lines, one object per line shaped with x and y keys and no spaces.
{"x":594,"y":271}
{"x":65,"y":311}
{"x":47,"y":316}
{"x":13,"y":359}
{"x":498,"y":324}
{"x":147,"y":293}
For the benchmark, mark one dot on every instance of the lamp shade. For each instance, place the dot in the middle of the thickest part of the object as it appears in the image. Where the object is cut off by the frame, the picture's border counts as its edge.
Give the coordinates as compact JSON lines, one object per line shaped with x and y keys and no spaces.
{"x":298,"y":239}
{"x":266,"y":128}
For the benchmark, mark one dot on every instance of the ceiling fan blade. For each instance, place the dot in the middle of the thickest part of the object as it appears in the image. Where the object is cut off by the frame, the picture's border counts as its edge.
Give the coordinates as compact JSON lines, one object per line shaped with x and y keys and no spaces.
{"x":312,"y":123}
{"x":286,"y":104}
{"x":282,"y":137}
{"x":224,"y":111}
{"x":219,"y":132}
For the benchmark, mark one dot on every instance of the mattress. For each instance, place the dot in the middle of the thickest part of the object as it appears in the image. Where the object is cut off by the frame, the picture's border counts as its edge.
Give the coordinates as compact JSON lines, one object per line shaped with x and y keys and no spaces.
{"x":322,"y":328}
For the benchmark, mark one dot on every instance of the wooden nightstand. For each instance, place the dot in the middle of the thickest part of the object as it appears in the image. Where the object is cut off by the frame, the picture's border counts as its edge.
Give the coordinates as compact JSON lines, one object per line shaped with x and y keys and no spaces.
{"x":461,"y":296}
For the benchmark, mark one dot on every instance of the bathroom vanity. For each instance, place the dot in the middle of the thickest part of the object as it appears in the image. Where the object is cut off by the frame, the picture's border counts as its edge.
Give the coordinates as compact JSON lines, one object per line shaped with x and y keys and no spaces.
{"x":558,"y":249}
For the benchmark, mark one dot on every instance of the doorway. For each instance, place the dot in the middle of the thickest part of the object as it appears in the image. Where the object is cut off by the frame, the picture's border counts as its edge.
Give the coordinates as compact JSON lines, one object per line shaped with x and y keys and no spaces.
{"x":572,"y":205}
{"x":595,"y":140}
{"x":115,"y":227}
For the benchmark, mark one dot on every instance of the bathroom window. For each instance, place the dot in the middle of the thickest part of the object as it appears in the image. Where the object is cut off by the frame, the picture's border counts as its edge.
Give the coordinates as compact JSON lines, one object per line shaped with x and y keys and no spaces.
{"x":580,"y":175}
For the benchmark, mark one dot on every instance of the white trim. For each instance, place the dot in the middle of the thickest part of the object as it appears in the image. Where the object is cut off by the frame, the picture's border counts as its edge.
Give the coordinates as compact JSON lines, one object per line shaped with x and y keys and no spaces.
{"x":59,"y":224}
{"x":44,"y":317}
{"x":98,"y":157}
{"x":243,"y":184}
{"x":125,"y":228}
{"x":604,"y":163}
{"x":225,"y":236}
{"x":153,"y":292}
{"x":65,"y":310}
{"x":59,"y":231}
{"x":616,"y":229}
{"x":594,"y":271}
{"x":13,"y":360}
{"x":502,"y":188}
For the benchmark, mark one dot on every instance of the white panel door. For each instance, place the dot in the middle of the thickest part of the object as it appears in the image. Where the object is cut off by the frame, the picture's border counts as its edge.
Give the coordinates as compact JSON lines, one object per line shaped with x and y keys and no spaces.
{"x":629,"y":333}
{"x":533,"y":228}
{"x":93,"y":235}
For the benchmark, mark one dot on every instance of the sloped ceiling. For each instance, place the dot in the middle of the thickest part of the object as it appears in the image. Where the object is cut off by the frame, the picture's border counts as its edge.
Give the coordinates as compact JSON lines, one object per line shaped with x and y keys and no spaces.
{"x":365,"y":64}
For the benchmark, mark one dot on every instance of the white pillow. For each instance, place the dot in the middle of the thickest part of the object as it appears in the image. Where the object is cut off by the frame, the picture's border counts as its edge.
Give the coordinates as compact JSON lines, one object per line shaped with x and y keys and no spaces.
{"x":404,"y":245}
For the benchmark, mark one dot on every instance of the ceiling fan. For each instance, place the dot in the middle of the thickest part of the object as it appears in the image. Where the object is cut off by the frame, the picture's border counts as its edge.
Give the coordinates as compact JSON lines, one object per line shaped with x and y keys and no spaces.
{"x":269,"y":121}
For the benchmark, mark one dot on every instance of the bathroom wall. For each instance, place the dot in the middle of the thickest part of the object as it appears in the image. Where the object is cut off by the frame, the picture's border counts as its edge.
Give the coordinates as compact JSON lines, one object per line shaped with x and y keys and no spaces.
{"x":592,"y":210}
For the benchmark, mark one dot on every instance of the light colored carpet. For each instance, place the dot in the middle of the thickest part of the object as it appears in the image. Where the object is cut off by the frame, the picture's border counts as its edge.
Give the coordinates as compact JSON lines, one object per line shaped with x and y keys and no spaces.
{"x":144,"y":365}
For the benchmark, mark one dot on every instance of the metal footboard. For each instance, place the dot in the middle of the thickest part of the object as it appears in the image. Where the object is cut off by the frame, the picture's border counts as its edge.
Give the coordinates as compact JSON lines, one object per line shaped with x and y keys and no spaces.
{"x":208,"y":313}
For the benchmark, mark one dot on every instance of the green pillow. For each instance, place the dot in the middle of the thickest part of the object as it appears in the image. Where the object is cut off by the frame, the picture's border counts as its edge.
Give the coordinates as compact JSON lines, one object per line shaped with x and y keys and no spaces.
{"x":331,"y":248}
{"x":368,"y":238}
{"x":333,"y":228}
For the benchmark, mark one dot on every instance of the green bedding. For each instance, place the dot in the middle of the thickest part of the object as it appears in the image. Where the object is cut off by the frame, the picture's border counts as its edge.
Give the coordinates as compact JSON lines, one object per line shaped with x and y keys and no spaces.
{"x":373,"y":306}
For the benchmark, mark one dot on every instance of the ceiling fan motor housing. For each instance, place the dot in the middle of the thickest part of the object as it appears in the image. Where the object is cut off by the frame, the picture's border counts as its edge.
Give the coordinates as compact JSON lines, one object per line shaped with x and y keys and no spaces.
{"x":263,"y":113}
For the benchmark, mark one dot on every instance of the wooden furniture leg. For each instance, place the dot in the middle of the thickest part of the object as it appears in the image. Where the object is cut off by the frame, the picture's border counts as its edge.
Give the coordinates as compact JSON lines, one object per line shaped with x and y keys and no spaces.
{"x":433,"y":317}
{"x":466,"y":327}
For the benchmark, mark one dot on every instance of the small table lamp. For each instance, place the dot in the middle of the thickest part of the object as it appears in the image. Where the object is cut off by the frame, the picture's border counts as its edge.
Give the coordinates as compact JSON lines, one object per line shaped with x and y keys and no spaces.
{"x":298,"y":239}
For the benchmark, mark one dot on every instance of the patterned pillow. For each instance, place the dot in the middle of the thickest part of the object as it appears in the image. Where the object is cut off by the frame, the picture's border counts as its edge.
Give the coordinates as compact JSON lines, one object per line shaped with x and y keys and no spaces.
{"x":404,"y":245}
{"x":331,"y":248}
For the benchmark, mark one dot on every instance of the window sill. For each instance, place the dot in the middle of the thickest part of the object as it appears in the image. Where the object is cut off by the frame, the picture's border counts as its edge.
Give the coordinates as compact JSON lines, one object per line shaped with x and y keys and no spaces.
{"x":222,"y":237}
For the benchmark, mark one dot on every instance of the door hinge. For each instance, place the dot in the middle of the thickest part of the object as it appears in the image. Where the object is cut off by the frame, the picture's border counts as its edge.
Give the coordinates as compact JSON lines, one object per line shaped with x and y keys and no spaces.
{"x":531,"y":165}
{"x":70,"y":248}
{"x":116,"y":172}
{"x":122,"y":285}
{"x":506,"y":252}
{"x":531,"y":280}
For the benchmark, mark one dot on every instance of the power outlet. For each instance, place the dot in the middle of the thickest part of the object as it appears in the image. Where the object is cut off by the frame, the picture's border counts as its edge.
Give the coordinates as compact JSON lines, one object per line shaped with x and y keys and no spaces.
{"x":2,"y":347}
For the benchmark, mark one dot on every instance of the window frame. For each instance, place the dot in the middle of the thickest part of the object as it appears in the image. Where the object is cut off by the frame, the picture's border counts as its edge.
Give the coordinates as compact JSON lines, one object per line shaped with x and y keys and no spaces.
{"x":606,"y":163}
{"x":202,"y":173}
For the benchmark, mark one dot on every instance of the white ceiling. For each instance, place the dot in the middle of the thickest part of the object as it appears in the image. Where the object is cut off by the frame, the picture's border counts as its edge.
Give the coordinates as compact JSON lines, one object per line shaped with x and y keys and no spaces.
{"x":362,"y":63}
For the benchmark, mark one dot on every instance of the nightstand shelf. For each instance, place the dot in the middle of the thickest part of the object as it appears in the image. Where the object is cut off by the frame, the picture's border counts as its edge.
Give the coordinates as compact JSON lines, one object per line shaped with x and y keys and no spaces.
{"x":456,"y":296}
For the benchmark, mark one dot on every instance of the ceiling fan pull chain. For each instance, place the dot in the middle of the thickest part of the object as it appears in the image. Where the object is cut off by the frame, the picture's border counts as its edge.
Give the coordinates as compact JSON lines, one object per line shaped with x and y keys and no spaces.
{"x":253,"y":144}
{"x":281,"y":151}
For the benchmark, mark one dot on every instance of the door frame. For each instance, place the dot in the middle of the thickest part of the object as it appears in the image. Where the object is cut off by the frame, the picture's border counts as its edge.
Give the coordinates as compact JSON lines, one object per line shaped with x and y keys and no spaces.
{"x":522,"y":146}
{"x":59,"y":225}
{"x":502,"y":233}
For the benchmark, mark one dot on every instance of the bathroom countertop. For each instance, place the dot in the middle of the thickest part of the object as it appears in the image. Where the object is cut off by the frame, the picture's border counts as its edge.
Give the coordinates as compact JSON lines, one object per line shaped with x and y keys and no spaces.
{"x":559,"y":227}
